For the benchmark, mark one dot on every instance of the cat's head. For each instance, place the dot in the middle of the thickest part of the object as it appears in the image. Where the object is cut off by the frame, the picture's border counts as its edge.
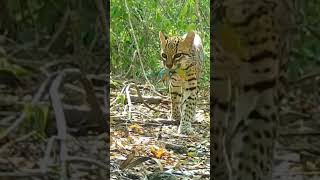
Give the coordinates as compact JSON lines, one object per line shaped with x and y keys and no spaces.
{"x":175,"y":49}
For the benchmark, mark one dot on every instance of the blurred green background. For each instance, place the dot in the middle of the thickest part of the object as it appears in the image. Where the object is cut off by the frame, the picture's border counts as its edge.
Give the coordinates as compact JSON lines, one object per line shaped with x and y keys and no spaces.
{"x":143,"y":20}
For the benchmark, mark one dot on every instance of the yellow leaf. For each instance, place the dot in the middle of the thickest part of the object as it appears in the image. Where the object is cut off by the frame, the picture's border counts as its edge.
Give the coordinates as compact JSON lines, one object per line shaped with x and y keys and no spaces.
{"x":192,"y":154}
{"x":157,"y":152}
{"x":181,"y":73}
{"x":136,"y":128}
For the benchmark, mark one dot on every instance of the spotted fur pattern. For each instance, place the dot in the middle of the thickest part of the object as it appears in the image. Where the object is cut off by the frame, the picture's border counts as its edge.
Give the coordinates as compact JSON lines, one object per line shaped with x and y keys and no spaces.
{"x":245,"y":91}
{"x":183,"y":57}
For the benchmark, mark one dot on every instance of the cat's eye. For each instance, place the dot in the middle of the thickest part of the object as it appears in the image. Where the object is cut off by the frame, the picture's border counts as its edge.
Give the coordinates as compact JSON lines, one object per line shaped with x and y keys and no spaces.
{"x":177,"y":55}
{"x":164,"y":55}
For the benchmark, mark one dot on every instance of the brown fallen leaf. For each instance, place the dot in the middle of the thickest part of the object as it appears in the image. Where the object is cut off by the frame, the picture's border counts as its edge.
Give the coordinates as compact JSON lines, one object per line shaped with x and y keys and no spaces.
{"x":133,"y":160}
{"x":126,"y":162}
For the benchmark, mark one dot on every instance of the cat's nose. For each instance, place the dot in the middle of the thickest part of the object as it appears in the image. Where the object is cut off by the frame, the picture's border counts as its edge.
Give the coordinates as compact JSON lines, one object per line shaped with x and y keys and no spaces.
{"x":169,"y":65}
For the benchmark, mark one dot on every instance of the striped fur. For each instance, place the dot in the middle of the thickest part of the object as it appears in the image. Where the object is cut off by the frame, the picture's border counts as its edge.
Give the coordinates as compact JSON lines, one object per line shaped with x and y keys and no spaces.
{"x":183,"y":56}
{"x":245,"y":91}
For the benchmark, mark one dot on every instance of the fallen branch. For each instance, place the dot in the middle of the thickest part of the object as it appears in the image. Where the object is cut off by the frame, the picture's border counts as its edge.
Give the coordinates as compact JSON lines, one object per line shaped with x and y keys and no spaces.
{"x":157,"y":122}
{"x":149,"y":99}
{"x":61,"y":122}
{"x":140,"y":97}
{"x":296,"y":113}
{"x":304,"y":78}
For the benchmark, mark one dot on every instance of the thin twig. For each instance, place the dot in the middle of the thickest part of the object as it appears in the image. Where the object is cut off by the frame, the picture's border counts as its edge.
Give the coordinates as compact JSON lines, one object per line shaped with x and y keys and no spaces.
{"x":62,"y":26}
{"x":305,"y":77}
{"x":156,"y":122}
{"x":61,"y":122}
{"x":103,"y":16}
{"x":92,"y":101}
{"x":115,"y":100}
{"x":45,"y":161}
{"x":226,"y":157}
{"x":137,"y":46}
{"x":300,"y":114}
{"x":129,"y":101}
{"x":133,"y":60}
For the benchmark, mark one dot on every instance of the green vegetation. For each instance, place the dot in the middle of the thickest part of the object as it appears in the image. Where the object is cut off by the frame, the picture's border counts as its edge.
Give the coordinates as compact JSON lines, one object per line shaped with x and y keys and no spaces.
{"x":143,"y":20}
{"x":59,"y":26}
{"x":305,"y":55}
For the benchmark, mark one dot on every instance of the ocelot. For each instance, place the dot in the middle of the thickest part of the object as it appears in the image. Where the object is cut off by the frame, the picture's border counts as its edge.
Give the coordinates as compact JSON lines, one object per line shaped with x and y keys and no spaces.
{"x":183,"y":58}
{"x":245,"y":88}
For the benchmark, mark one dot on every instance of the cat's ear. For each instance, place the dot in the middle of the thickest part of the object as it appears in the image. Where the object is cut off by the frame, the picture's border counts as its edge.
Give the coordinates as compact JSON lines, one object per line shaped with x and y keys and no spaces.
{"x":188,"y":41}
{"x":162,"y":37}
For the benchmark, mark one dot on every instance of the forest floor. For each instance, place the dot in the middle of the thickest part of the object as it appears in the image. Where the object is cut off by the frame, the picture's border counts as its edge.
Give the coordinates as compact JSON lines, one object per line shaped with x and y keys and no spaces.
{"x":52,"y":114}
{"x":297,"y":153}
{"x":145,"y":141}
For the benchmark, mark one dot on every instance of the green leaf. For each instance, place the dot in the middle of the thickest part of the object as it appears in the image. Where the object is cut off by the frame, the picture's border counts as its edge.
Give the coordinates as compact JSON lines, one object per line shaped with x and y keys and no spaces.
{"x":184,"y":10}
{"x":121,"y":99}
{"x":36,"y":118}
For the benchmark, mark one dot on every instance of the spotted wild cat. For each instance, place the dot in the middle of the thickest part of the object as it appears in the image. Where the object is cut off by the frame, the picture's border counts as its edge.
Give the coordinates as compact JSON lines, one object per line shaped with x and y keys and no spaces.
{"x":183,"y":58}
